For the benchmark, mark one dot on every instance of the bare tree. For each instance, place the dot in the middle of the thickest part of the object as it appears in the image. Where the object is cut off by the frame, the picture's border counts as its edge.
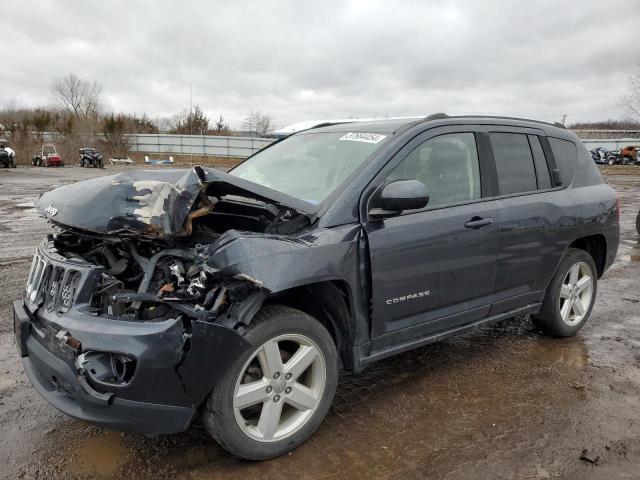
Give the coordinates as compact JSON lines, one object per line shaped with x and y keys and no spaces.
{"x":80,"y":98}
{"x":632,"y":99}
{"x":114,"y":128}
{"x":194,"y":122}
{"x":257,"y":123}
{"x":220,"y":127}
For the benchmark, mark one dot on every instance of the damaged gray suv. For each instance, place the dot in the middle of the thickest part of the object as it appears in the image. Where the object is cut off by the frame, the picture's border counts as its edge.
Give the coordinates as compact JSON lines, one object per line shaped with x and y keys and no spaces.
{"x":236,"y":298}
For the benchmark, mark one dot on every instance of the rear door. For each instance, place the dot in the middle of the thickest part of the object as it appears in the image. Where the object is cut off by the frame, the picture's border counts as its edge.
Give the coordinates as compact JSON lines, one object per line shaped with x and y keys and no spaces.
{"x":531,"y":216}
{"x":433,"y":269}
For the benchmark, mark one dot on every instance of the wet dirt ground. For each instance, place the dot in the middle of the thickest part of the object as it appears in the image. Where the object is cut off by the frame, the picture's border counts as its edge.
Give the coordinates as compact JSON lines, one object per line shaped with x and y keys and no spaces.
{"x":501,"y":402}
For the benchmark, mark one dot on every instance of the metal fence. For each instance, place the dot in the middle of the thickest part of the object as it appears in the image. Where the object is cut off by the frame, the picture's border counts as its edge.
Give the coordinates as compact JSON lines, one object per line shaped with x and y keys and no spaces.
{"x":206,"y":145}
{"x":240,"y":147}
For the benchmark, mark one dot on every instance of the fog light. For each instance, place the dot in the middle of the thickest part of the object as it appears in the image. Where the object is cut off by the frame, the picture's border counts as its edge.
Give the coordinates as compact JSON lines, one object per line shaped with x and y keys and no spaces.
{"x":122,"y":367}
{"x":108,"y":368}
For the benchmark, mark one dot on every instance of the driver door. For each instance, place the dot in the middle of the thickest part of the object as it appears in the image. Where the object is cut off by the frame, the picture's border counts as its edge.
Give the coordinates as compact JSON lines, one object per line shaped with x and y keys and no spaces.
{"x":435,"y":268}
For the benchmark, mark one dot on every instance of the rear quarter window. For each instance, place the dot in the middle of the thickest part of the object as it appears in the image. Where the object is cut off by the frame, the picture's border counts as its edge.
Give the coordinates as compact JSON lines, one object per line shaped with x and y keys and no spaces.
{"x":565,"y":154}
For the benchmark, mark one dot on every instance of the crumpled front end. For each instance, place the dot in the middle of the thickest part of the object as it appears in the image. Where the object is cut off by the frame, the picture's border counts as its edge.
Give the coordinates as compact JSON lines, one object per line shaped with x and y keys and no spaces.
{"x":127,"y":321}
{"x":139,"y":361}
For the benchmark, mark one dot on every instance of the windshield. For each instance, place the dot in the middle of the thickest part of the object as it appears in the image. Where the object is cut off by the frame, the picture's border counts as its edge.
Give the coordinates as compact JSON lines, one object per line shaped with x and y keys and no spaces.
{"x":310,"y":166}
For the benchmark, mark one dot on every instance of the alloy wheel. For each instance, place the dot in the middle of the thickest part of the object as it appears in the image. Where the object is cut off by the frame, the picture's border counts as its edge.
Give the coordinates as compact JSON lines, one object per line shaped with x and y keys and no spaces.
{"x":575,"y":293}
{"x":279,"y":388}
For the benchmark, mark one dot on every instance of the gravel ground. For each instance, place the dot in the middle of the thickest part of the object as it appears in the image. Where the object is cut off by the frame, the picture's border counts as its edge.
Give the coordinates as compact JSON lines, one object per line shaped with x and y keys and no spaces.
{"x":501,"y":402}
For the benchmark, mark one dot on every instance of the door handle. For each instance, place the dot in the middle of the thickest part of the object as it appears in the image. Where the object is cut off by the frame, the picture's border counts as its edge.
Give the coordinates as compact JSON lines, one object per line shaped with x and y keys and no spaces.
{"x":478,"y":222}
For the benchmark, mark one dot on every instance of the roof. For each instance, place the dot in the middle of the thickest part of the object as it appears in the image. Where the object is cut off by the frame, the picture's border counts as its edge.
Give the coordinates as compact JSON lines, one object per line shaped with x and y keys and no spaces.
{"x":391,"y":125}
{"x":307,"y":124}
{"x":376,"y":126}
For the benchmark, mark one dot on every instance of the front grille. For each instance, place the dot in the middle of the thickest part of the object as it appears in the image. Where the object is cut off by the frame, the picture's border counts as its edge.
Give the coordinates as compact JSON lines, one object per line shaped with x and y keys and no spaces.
{"x":52,"y":285}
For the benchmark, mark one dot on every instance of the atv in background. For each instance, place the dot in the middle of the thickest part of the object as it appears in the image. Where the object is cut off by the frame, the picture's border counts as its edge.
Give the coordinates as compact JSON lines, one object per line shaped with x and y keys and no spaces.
{"x":90,"y":157}
{"x":7,"y":155}
{"x":47,"y":157}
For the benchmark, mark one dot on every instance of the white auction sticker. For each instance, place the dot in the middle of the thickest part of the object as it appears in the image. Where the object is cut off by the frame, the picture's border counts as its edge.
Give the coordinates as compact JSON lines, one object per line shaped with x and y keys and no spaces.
{"x":363,"y":137}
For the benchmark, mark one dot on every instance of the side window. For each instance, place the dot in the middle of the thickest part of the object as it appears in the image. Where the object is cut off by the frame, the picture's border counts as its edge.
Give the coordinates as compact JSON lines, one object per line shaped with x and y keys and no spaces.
{"x":514,"y":163}
{"x":566,"y":154}
{"x":542,"y":169}
{"x":447,"y":165}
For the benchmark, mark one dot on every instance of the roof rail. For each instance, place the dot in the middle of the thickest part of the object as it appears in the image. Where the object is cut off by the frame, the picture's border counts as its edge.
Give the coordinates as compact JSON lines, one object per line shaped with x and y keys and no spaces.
{"x":440,"y":116}
{"x":436,"y":116}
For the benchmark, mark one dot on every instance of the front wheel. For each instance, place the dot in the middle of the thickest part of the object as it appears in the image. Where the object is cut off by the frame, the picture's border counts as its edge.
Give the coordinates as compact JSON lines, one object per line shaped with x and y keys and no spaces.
{"x":13,"y":162}
{"x":275,"y":395}
{"x":570,"y":295}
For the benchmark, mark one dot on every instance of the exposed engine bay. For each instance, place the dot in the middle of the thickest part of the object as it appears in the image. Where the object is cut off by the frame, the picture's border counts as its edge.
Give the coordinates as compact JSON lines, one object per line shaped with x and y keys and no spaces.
{"x":150,"y":274}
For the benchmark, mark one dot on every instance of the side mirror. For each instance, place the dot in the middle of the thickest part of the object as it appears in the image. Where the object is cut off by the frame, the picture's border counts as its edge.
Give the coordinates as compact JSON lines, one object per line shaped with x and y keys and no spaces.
{"x":398,"y":196}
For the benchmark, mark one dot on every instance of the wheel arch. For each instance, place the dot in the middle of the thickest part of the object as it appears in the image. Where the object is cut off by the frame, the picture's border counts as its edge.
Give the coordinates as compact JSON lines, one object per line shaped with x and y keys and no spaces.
{"x":329,"y":302}
{"x":596,"y":246}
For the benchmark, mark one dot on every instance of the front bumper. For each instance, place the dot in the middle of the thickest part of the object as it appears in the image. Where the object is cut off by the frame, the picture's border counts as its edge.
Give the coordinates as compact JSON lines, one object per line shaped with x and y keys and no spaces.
{"x":177,"y":362}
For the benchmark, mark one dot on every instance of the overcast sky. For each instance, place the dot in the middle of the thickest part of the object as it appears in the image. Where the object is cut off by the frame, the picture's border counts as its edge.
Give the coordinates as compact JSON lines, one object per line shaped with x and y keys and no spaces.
{"x":302,"y":60}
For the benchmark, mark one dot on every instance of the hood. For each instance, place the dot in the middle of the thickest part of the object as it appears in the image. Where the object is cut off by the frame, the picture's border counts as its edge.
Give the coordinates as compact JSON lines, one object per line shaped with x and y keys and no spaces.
{"x":152,"y":203}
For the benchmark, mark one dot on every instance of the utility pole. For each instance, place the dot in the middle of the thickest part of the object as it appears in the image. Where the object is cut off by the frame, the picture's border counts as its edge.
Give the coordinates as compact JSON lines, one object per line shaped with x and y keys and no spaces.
{"x":190,"y":124}
{"x":564,"y":118}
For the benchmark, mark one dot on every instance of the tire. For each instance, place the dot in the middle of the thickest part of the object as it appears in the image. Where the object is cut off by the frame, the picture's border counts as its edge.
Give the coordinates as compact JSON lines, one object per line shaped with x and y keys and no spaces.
{"x":238,"y":430}
{"x":550,"y":319}
{"x":13,"y":162}
{"x":82,"y":165}
{"x":612,"y":161}
{"x":626,"y":160}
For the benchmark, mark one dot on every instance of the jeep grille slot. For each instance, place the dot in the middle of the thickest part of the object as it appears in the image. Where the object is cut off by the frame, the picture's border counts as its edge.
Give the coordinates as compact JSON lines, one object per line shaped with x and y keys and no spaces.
{"x":68,"y":291}
{"x":54,"y":285}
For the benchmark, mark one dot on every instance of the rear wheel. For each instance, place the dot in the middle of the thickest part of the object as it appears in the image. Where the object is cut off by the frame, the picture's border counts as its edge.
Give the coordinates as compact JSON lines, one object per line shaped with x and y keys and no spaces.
{"x":570,"y":296}
{"x":13,"y":162}
{"x":276,"y":394}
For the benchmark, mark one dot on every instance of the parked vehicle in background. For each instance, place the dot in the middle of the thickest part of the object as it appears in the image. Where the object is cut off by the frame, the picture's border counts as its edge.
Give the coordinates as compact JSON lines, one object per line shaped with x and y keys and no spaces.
{"x":121,"y":161}
{"x":629,"y":154}
{"x":168,"y":294}
{"x":7,"y":155}
{"x":47,"y":157}
{"x":90,"y":157}
{"x":604,"y":156}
